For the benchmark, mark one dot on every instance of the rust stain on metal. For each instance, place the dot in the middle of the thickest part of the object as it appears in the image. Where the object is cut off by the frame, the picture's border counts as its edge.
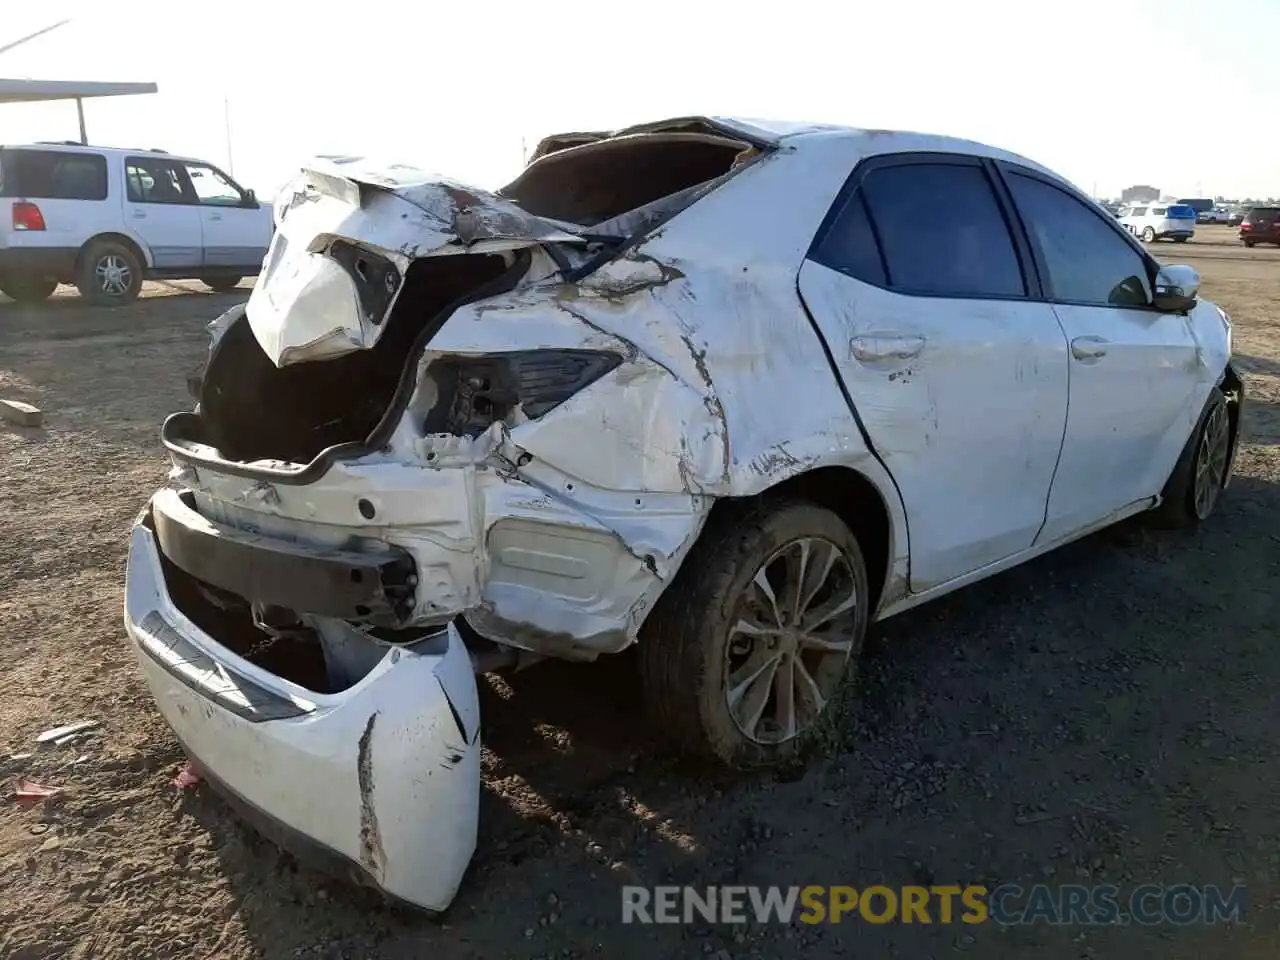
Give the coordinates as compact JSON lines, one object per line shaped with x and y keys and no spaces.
{"x":372,"y":855}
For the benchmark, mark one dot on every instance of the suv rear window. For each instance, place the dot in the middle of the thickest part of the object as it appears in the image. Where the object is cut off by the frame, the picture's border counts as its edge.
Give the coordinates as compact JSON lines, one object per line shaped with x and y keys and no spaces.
{"x":1264,"y":213}
{"x":53,"y":175}
{"x":1181,"y":211}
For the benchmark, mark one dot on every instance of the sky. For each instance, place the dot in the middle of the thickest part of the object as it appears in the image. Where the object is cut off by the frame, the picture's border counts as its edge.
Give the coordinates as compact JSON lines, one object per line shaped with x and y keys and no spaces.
{"x":1176,"y":93}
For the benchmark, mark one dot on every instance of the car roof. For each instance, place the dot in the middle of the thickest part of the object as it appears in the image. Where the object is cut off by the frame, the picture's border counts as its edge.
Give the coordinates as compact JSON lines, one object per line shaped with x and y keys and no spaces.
{"x":59,"y":146}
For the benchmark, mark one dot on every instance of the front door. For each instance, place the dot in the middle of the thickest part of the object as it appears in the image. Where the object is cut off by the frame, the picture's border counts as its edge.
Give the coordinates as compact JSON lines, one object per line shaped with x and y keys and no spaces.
{"x":236,"y":230}
{"x":957,"y":374}
{"x":1137,"y":382}
{"x":160,"y":210}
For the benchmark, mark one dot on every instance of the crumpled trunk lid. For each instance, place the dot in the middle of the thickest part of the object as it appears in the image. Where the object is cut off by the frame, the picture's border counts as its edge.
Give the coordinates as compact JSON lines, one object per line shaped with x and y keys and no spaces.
{"x":322,"y":294}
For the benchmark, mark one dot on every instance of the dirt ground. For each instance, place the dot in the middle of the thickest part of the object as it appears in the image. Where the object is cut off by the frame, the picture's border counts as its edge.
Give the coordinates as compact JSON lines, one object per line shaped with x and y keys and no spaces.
{"x":1105,"y":714}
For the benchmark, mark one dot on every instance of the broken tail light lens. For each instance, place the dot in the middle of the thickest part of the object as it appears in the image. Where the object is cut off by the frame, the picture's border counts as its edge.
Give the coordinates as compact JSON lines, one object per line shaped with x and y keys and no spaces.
{"x":475,"y":392}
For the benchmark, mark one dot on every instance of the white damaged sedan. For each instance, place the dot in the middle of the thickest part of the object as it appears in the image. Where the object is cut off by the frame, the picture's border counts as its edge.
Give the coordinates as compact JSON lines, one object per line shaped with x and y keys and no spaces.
{"x":728,"y":390}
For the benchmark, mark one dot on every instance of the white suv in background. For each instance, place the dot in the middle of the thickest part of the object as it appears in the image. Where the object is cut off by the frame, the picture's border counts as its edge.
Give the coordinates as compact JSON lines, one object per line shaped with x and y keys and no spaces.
{"x":105,"y":219}
{"x":1160,"y":221}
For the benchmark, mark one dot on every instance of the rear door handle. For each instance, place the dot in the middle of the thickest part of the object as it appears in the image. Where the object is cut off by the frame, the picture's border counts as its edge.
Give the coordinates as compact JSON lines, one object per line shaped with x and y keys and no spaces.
{"x":215,"y":216}
{"x":886,"y":346}
{"x":1089,"y":349}
{"x":139,"y":214}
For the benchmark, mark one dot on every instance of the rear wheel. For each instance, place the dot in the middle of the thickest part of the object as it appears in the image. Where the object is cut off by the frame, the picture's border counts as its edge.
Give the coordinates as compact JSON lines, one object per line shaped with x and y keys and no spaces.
{"x":1198,"y":478}
{"x":1248,"y":243}
{"x":27,"y":289}
{"x":748,"y":652}
{"x":1180,"y":239}
{"x":221,"y":284}
{"x":1148,"y":235}
{"x":110,"y":274}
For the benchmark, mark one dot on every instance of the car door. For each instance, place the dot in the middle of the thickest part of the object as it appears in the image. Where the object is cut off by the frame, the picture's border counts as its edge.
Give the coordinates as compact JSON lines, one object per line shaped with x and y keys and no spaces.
{"x":1135,"y":372}
{"x":161,"y":210}
{"x":956,"y":371}
{"x":234,"y":230}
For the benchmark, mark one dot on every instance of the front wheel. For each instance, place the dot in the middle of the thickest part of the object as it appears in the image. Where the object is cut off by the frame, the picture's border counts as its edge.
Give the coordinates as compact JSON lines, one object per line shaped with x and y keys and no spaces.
{"x":110,"y":274}
{"x":221,"y":284}
{"x":747,"y":652}
{"x":27,"y":289}
{"x":1148,"y":235}
{"x":1196,"y":484}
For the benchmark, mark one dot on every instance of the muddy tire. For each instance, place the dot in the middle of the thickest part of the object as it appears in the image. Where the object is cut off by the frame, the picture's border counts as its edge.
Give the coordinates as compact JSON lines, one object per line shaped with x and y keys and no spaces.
{"x":221,"y":284}
{"x":27,"y":289}
{"x":110,"y":274}
{"x":1195,"y":486}
{"x":730,"y":670}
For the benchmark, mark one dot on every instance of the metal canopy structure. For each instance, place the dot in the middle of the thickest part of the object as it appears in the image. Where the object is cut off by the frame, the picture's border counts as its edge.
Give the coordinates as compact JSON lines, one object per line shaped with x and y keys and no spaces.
{"x":36,"y":91}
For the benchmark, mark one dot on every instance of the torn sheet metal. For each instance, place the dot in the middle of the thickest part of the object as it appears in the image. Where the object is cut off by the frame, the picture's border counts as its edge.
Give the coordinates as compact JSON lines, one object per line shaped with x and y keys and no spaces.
{"x":307,"y":303}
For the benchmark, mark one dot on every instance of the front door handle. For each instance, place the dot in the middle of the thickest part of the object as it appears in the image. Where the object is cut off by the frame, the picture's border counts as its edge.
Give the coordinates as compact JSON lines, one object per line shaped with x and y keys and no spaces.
{"x":215,"y":216}
{"x":886,"y":346}
{"x":139,"y":214}
{"x":1089,"y":349}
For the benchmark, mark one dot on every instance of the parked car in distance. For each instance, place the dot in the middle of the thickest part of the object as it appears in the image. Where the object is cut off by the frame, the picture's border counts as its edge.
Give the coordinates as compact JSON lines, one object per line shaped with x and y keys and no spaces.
{"x":703,"y":386}
{"x":1219,"y":214}
{"x":1160,"y":221}
{"x":1236,"y":216}
{"x":105,"y":219}
{"x":1203,"y":207}
{"x":1261,"y":225}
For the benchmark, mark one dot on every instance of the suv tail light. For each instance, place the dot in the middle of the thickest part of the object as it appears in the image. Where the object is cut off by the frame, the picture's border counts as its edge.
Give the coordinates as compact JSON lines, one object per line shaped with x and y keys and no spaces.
{"x":1246,"y":225}
{"x":27,"y":216}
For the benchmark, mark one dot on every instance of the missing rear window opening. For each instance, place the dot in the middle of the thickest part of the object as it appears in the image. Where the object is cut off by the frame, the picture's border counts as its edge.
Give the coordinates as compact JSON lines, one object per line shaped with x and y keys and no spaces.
{"x":599,"y":181}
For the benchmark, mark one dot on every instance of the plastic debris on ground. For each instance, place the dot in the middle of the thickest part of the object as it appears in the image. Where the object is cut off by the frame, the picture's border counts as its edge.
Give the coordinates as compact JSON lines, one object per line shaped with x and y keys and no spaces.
{"x":29,"y":791}
{"x":188,"y":776}
{"x":65,"y":734}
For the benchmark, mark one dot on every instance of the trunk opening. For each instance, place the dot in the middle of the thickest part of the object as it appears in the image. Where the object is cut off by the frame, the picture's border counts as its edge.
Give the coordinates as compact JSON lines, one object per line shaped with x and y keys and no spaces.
{"x":252,"y":410}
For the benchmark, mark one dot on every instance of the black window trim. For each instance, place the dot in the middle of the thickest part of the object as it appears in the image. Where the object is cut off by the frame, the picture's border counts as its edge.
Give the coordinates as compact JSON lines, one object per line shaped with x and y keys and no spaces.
{"x":850,"y":190}
{"x":1003,"y":169}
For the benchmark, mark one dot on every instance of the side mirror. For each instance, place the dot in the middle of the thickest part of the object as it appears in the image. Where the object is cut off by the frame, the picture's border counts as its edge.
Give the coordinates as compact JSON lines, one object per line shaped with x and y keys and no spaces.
{"x":1176,"y":289}
{"x":250,"y":198}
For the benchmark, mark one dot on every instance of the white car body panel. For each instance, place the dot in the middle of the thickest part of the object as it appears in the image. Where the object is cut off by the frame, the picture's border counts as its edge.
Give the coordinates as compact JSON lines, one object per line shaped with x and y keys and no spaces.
{"x":558,"y":534}
{"x":1161,"y":225}
{"x":388,"y":767}
{"x":965,"y":401}
{"x":1158,"y":370}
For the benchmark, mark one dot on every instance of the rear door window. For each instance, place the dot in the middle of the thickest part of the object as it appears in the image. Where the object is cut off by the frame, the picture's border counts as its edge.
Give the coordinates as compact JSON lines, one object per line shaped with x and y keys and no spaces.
{"x":151,"y":180}
{"x":53,"y":175}
{"x":941,"y":230}
{"x":1138,"y":212}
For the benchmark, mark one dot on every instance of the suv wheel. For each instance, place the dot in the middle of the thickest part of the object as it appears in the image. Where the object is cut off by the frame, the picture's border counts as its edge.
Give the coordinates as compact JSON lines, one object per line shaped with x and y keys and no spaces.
{"x":745,"y":656}
{"x":1148,"y":235}
{"x":1248,"y":243}
{"x":110,"y":274}
{"x":27,"y":289}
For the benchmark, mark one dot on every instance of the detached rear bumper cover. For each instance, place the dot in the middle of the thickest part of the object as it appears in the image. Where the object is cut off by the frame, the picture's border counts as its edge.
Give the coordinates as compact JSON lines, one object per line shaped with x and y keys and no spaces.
{"x":383,"y":777}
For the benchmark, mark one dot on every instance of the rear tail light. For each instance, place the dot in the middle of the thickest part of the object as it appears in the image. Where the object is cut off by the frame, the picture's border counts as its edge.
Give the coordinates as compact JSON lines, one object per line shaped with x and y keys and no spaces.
{"x":1246,"y":225}
{"x":474,"y":392}
{"x":27,"y":216}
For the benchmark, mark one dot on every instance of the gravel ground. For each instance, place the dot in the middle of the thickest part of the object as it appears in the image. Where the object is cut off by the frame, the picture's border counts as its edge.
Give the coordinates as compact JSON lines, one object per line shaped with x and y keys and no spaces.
{"x":1104,"y":714}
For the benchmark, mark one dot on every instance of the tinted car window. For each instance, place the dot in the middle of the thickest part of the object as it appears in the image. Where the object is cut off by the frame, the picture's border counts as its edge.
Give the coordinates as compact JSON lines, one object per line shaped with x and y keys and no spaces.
{"x":1087,"y":259}
{"x":54,"y":175}
{"x":1158,"y":211}
{"x":1265,"y":214}
{"x":941,"y":231}
{"x":850,"y":247}
{"x":1138,"y":212}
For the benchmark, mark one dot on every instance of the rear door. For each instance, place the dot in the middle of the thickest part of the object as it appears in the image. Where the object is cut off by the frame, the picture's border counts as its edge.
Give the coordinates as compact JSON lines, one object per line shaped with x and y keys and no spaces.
{"x":162,"y":210}
{"x":1134,"y":370}
{"x":235,"y":230}
{"x":957,"y":372}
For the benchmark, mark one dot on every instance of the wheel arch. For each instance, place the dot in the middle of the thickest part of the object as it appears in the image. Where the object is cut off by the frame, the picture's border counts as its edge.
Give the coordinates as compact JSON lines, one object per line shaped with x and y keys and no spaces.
{"x":875,"y":517}
{"x":140,"y":250}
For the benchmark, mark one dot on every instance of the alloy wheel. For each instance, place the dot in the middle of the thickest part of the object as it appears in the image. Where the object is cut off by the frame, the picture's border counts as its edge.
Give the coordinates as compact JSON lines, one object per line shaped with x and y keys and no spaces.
{"x":1211,"y":462}
{"x":114,"y":275}
{"x":791,"y":640}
